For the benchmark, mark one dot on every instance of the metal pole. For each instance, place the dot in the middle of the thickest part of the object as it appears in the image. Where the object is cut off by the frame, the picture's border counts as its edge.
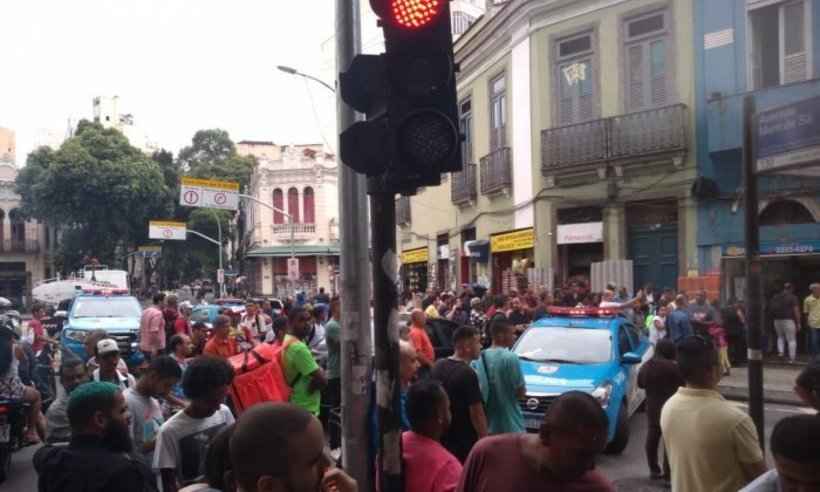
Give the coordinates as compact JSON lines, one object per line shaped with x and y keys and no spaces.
{"x":385,"y":312}
{"x":219,"y":228}
{"x":754,"y":284}
{"x":355,"y":285}
{"x":278,"y":210}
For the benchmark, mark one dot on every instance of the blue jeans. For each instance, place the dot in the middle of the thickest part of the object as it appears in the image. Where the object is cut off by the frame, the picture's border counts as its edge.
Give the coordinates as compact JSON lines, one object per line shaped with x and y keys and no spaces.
{"x":814,"y":341}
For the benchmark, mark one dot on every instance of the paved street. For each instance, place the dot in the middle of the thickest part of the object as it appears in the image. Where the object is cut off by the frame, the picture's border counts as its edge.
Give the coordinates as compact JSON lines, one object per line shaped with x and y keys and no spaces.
{"x":627,"y":470}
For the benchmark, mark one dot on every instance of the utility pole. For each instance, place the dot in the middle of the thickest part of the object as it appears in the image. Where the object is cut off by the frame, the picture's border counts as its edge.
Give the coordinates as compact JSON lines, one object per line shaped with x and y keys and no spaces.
{"x":754,"y":284}
{"x":355,"y":285}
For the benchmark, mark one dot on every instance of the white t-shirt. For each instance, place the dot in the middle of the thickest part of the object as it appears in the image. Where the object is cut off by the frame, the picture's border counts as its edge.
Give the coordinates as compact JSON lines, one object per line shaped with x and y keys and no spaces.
{"x":146,"y":419}
{"x":182,"y":443}
{"x":125,"y":380}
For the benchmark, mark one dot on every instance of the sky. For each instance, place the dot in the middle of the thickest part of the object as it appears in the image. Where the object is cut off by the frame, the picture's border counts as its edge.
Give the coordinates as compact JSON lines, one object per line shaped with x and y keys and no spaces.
{"x":177,"y":65}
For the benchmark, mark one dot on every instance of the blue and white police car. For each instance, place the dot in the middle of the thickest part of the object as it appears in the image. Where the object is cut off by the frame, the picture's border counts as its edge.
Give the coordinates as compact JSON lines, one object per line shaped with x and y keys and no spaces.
{"x":595,"y":350}
{"x":112,"y":310}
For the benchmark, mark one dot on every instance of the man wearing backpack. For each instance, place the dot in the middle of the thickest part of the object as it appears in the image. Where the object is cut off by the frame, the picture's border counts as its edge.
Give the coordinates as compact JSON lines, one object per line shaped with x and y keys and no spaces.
{"x":302,"y":372}
{"x":785,"y":309}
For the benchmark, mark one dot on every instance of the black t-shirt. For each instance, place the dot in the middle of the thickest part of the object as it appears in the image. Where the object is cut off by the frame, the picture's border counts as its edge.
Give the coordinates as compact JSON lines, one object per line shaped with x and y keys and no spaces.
{"x":782,"y":305}
{"x":461,"y":383}
{"x":518,"y":318}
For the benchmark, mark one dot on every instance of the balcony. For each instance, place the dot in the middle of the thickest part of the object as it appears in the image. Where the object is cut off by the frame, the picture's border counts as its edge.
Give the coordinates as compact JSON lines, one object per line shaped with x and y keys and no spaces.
{"x":463,"y":189}
{"x":630,"y":136}
{"x":403,"y":216}
{"x":496,"y":171}
{"x":301,"y":232}
{"x":21,"y":246}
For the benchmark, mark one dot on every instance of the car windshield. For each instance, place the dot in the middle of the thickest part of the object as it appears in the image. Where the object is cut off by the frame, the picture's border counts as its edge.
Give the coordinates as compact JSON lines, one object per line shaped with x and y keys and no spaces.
{"x":107,"y":307}
{"x":568,"y":345}
{"x":201,"y":316}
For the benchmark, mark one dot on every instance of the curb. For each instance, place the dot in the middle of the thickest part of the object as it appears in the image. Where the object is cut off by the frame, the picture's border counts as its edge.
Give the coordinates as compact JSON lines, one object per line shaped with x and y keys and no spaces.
{"x":769,"y":396}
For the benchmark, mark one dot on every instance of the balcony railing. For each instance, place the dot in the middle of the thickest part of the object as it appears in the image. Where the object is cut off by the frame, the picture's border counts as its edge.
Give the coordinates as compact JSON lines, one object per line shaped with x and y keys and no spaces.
{"x":403,"y":216}
{"x":298,"y":228}
{"x":496,"y":171}
{"x":626,"y":136}
{"x":21,"y":246}
{"x":463,"y":187}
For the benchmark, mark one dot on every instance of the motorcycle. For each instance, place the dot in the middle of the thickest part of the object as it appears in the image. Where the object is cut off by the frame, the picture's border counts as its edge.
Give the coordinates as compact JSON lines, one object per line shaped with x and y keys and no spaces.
{"x":7,"y":309}
{"x":12,"y":427}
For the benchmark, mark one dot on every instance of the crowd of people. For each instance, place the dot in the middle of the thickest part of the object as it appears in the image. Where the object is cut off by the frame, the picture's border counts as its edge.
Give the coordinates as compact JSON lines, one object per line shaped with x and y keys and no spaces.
{"x":171,"y":424}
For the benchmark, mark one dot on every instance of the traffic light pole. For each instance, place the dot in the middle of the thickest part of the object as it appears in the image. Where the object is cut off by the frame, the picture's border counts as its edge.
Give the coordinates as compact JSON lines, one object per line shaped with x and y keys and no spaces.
{"x":385,"y":307}
{"x":355,"y":286}
{"x":754,"y":283}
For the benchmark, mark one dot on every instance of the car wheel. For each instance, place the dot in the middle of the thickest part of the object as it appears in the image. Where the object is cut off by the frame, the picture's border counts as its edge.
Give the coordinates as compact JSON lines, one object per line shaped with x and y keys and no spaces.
{"x":621,"y":438}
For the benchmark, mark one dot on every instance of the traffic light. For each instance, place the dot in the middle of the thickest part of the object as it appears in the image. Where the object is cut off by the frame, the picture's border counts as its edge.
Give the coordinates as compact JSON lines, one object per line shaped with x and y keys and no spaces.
{"x":411,"y":135}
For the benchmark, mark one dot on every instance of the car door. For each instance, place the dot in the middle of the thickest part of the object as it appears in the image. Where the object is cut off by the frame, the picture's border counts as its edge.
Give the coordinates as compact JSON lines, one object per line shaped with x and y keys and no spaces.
{"x":635,"y":395}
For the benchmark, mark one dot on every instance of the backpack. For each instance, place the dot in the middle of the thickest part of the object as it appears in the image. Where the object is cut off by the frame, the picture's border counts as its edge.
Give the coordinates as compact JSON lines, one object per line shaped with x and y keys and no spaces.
{"x":259,"y":377}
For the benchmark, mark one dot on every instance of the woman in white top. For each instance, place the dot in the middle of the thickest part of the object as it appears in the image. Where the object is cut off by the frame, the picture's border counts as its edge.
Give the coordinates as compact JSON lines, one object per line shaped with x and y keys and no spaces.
{"x":657,"y":329}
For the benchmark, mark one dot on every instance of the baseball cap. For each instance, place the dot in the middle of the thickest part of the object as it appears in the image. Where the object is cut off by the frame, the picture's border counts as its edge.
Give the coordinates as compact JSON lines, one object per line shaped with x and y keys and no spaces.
{"x":107,"y":346}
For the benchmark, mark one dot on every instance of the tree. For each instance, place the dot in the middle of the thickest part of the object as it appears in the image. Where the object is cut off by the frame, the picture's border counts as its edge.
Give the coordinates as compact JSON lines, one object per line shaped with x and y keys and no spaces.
{"x":212,"y":155}
{"x":98,"y":186}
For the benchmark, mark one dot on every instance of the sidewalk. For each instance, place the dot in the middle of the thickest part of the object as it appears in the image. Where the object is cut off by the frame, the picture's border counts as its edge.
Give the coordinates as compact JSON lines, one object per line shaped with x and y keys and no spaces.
{"x":778,"y":384}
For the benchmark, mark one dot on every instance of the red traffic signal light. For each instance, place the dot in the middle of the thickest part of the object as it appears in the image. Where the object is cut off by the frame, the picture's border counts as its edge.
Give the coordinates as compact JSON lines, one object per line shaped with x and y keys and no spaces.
{"x":415,"y":14}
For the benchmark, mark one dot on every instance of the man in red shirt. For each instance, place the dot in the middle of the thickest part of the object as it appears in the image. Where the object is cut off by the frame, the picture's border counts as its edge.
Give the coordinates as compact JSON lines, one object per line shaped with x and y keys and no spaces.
{"x":152,"y":328}
{"x":182,"y":325}
{"x":420,"y":339}
{"x":39,"y":339}
{"x":561,"y":457}
{"x":221,"y":344}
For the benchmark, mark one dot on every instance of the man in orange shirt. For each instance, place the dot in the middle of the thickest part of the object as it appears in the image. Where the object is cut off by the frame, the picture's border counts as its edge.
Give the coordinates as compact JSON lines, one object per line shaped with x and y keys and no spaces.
{"x":420,"y":339}
{"x":221,"y":345}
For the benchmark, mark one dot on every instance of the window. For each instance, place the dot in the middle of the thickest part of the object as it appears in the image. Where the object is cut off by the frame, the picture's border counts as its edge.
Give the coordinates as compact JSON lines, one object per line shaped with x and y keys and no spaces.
{"x":498,"y":113}
{"x":466,"y":123}
{"x":278,"y":203}
{"x":575,"y":75}
{"x":623,"y":341}
{"x":461,"y":22}
{"x":647,"y":65}
{"x":779,"y":51}
{"x":293,"y":204}
{"x":309,"y":206}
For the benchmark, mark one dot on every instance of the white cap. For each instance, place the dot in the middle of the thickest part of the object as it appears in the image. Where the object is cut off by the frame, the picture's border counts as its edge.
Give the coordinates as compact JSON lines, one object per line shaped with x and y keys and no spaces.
{"x":107,"y":346}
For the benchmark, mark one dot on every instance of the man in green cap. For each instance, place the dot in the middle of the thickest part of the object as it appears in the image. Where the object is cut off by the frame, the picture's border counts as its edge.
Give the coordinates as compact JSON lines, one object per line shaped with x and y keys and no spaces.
{"x":96,"y":458}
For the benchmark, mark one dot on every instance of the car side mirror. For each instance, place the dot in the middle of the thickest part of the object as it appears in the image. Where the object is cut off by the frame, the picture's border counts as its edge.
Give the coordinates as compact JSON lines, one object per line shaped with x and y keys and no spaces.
{"x":631,"y":358}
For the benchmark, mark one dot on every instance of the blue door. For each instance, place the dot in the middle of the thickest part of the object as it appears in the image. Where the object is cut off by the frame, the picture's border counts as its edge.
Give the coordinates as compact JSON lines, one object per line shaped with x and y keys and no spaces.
{"x":654,"y":254}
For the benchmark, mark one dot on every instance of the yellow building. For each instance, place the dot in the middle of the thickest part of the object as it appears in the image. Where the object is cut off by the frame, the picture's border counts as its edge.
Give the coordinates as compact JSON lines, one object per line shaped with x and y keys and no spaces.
{"x":578,"y":122}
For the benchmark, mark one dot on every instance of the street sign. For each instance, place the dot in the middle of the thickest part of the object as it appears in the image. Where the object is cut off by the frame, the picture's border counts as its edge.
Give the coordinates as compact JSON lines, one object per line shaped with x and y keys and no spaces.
{"x":167,"y":230}
{"x":293,"y":269}
{"x":209,"y":193}
{"x":149,"y":251}
{"x":220,"y":276}
{"x":788,"y":137}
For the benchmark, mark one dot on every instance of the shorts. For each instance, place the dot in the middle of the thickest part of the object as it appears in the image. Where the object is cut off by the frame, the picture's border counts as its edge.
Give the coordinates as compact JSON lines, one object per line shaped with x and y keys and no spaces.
{"x":12,"y":388}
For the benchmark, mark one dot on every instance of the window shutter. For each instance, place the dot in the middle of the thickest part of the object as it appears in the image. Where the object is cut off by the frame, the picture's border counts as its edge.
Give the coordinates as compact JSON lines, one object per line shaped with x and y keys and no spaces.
{"x":586,"y":92}
{"x":565,"y":104}
{"x":795,"y":56}
{"x":657,"y":51}
{"x":636,"y":75}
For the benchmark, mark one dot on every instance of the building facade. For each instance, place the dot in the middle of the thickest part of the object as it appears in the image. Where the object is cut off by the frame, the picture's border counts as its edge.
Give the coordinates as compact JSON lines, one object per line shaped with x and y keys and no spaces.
{"x":106,"y":111}
{"x":300,"y":180}
{"x":767,"y":50}
{"x":579,"y":150}
{"x":8,"y":145}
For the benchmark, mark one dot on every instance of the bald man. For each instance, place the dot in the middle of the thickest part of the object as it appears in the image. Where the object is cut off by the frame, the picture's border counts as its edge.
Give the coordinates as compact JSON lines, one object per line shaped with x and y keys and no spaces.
{"x":560,"y":457}
{"x":420,"y":340}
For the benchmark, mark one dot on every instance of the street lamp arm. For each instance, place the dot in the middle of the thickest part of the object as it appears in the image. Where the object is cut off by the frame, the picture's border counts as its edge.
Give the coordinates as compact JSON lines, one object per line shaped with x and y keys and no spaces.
{"x":203,"y":236}
{"x":293,"y":71}
{"x":290,"y":217}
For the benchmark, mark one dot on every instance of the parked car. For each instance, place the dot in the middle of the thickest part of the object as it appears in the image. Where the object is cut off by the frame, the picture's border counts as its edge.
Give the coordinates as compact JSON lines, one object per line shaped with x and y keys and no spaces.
{"x":589,"y":349}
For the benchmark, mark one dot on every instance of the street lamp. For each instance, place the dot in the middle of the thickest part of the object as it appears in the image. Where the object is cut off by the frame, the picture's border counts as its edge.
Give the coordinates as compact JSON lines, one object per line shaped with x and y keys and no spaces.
{"x":293,"y":71}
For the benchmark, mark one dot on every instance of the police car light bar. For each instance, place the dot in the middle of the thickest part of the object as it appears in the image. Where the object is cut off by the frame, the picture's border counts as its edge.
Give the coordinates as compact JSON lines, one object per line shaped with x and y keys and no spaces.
{"x":584,"y":312}
{"x":105,"y":292}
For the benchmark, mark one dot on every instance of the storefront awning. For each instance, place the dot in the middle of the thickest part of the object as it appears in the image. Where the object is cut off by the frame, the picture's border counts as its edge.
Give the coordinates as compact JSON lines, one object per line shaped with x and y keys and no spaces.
{"x":298,"y":250}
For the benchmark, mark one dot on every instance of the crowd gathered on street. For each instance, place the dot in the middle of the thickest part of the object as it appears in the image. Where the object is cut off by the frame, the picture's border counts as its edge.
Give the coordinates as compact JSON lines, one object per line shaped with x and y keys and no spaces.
{"x":177,"y":423}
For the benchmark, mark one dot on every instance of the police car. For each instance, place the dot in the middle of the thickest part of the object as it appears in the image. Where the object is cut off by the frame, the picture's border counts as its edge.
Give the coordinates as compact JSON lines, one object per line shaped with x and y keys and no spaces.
{"x":112,"y":310}
{"x":595,"y":350}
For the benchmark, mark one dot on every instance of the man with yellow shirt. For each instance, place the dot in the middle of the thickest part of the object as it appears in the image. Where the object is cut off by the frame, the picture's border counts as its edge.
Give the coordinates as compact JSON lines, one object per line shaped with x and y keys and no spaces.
{"x":811,"y":308}
{"x":712,"y":445}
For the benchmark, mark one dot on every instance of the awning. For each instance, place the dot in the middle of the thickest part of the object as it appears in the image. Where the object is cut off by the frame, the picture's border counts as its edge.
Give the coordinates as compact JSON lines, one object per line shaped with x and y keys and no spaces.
{"x":298,"y":250}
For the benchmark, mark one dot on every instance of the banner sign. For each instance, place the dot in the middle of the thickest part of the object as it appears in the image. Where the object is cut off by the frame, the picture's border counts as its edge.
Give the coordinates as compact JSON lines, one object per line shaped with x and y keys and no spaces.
{"x":418,"y":255}
{"x":788,"y":136}
{"x":512,"y":241}
{"x":588,"y":232}
{"x":209,"y":193}
{"x":776,"y":248}
{"x":167,"y":230}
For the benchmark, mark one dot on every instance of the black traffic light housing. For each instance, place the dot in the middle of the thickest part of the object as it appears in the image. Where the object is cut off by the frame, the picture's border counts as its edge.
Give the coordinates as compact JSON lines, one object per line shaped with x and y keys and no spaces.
{"x":411,"y":135}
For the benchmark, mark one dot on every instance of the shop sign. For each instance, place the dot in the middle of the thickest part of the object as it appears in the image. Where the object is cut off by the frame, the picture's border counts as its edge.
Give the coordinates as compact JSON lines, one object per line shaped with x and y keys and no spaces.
{"x":788,"y":136}
{"x":588,"y":232}
{"x":773,"y":248}
{"x":444,"y":252}
{"x":418,"y":255}
{"x":513,"y":241}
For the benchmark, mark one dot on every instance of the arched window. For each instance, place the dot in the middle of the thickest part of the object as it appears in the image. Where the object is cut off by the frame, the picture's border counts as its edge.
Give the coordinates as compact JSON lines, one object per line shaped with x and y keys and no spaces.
{"x":293,"y":204}
{"x":784,"y":212}
{"x":309,"y":206}
{"x":279,"y":203}
{"x":18,"y":227}
{"x":2,"y":222}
